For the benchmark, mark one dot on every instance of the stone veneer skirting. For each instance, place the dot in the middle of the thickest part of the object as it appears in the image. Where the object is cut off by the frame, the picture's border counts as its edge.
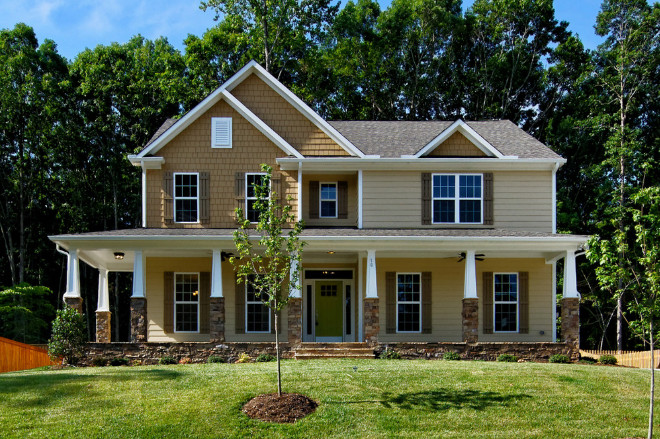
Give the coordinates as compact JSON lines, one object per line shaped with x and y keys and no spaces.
{"x":150,"y":353}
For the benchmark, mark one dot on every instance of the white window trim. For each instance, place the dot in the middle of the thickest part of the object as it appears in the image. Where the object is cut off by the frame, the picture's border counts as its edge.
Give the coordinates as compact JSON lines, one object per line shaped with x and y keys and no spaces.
{"x":214,"y":122}
{"x":457,"y":199}
{"x":176,"y":302}
{"x":247,"y":199}
{"x":507,"y":302}
{"x":417,"y":302}
{"x":250,"y":302}
{"x":174,"y":197}
{"x":336,"y":199}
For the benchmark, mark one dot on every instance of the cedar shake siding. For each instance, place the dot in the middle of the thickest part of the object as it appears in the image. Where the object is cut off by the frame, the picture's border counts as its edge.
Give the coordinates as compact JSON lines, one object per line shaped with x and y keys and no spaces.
{"x":457,"y":145}
{"x":522,"y":200}
{"x":446,"y":279}
{"x":191,"y":151}
{"x":284,"y":119}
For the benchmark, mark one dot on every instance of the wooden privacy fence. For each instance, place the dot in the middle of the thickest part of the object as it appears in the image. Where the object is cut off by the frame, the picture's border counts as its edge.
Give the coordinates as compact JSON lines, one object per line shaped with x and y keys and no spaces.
{"x":21,"y":356}
{"x":639,"y":359}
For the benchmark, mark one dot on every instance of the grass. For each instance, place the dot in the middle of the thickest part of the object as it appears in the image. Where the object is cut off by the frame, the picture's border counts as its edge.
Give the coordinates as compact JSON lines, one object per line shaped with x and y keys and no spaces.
{"x":382,"y":398}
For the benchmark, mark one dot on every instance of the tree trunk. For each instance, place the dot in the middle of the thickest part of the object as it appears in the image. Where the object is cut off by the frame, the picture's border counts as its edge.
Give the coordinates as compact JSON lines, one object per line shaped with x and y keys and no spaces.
{"x":277,"y":352}
{"x":650,"y":435}
{"x":619,"y":321}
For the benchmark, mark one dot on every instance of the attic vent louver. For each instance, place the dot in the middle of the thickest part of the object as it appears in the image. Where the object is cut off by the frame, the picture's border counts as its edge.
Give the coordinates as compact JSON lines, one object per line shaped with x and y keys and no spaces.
{"x":221,"y":132}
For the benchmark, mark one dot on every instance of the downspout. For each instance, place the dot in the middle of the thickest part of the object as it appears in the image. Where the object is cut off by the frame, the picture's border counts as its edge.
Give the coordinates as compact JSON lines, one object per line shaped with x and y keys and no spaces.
{"x":144,"y":196}
{"x":554,"y":197}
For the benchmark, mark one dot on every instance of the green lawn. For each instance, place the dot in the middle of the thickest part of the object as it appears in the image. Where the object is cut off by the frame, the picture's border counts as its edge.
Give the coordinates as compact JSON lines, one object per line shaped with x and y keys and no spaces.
{"x":395,"y":398}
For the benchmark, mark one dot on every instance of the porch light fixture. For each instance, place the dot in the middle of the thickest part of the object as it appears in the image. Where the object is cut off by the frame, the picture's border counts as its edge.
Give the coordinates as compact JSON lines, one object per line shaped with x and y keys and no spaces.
{"x":331,"y":252}
{"x":119,"y":256}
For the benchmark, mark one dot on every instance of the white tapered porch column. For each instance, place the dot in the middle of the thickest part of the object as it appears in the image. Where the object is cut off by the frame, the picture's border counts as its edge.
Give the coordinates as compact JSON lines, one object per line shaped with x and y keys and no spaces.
{"x":570,"y":276}
{"x":470,"y":285}
{"x":216,"y":274}
{"x":372,"y":286}
{"x":470,"y":313}
{"x":138,"y":300}
{"x":371,"y":305}
{"x":103,"y":315}
{"x":217,"y":301}
{"x":72,"y":294}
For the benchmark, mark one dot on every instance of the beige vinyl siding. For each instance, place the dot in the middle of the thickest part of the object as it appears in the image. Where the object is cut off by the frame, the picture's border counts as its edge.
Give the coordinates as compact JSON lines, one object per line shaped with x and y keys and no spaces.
{"x":540,"y":297}
{"x":155,"y":267}
{"x":447,"y":300}
{"x":522,"y":200}
{"x":351,"y":220}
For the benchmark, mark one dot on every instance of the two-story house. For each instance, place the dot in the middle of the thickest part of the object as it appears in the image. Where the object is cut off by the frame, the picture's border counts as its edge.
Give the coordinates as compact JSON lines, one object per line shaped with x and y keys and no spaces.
{"x":425,"y":236}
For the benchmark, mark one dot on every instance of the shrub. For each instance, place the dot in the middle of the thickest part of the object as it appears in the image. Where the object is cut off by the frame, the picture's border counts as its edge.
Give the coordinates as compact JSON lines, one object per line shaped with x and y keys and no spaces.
{"x":451,"y":356}
{"x":559,"y":358}
{"x":100,"y":361}
{"x":69,"y":336}
{"x":607,"y":359}
{"x":388,"y":354}
{"x":588,"y":360}
{"x":507,"y":358}
{"x":265,"y":358}
{"x":244,"y":358}
{"x":136,"y":362}
{"x":167,"y":360}
{"x":119,"y":362}
{"x":216,"y":359}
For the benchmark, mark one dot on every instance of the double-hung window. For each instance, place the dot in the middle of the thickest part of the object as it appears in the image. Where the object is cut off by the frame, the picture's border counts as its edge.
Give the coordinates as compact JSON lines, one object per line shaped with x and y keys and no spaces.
{"x":257,"y":313}
{"x":328,"y":200}
{"x":505,"y":302}
{"x":186,"y":197}
{"x":252,"y":180}
{"x":408,"y":302}
{"x":457,"y":198}
{"x":186,"y":302}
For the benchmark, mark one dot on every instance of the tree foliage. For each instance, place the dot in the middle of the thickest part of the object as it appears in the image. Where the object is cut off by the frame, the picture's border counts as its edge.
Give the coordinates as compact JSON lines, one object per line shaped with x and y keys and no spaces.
{"x":25,"y":313}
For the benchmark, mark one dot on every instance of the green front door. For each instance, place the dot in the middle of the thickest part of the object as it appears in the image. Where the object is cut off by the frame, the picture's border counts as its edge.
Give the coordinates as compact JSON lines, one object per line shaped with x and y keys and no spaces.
{"x":328,"y":297}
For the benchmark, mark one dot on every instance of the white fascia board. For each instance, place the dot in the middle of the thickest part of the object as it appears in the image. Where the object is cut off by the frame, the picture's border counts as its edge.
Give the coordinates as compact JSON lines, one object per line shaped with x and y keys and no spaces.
{"x":415,"y":164}
{"x":259,"y":124}
{"x":304,"y":109}
{"x":147,"y":162}
{"x":468,"y":132}
{"x":198,"y":110}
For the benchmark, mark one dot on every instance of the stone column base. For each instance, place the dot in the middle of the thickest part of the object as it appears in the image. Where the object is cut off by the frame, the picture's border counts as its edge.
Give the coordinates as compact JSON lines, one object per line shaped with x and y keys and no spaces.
{"x":75,"y":303}
{"x":470,"y":316}
{"x":217,"y":316}
{"x":371,"y":320}
{"x":570,"y":324}
{"x":103,"y":319}
{"x":138,"y":319}
{"x":294,"y":323}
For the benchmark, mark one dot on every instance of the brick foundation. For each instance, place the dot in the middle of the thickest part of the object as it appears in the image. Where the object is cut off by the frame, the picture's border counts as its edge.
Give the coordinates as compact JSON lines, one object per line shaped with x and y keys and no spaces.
{"x":470,"y":316}
{"x":371,"y":320}
{"x":138,"y":319}
{"x":217,"y":319}
{"x":570,"y":324}
{"x":294,"y":315}
{"x":103,"y":333}
{"x":75,"y":303}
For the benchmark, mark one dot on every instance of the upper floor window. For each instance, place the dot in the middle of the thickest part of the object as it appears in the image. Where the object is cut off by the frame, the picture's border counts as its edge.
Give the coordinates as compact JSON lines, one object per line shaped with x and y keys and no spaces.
{"x":221,"y":132}
{"x":506,"y":302}
{"x":328,"y":200}
{"x":257,"y":313}
{"x":408,"y":302}
{"x":457,"y":198}
{"x":252,"y":180}
{"x":186,"y":302}
{"x":186,"y":197}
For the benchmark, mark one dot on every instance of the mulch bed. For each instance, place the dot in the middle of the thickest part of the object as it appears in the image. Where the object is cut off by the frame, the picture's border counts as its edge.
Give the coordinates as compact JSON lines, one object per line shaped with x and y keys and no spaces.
{"x":287,"y":408}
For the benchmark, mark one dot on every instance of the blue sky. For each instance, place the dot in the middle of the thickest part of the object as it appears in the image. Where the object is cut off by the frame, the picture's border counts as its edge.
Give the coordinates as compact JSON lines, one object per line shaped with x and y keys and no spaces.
{"x":77,"y":24}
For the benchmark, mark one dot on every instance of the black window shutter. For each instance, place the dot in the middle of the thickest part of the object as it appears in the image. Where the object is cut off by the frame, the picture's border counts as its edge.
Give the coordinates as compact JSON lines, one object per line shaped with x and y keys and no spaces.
{"x":313,"y":200}
{"x":342,"y":199}
{"x":488,"y":198}
{"x":168,"y":303}
{"x":239,"y":191}
{"x":240,"y":307}
{"x":390,"y":302}
{"x":168,"y":202}
{"x":426,"y":198}
{"x":204,"y":302}
{"x":523,"y":301}
{"x":488,"y":302}
{"x":427,"y":303}
{"x":204,"y":198}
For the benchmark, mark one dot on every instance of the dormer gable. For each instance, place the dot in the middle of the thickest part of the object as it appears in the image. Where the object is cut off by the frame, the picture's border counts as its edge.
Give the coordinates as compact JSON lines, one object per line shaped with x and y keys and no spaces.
{"x":456,"y":145}
{"x":435,"y":147}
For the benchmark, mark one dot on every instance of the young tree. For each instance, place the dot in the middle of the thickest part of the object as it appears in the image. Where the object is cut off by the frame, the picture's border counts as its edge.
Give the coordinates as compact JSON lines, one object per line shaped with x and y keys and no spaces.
{"x":273,"y":262}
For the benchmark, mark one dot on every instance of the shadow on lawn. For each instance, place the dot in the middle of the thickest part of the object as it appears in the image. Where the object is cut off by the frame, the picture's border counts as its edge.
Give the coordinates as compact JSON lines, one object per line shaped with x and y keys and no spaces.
{"x":445,"y":399}
{"x":46,"y":389}
{"x":442,"y":399}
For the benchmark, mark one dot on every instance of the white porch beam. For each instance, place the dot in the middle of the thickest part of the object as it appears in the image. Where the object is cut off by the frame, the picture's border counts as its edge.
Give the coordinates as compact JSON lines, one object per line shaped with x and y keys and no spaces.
{"x":372,"y":287}
{"x":295,"y":290}
{"x":359,"y":198}
{"x":470,"y":285}
{"x":138,"y":274}
{"x":72,"y":274}
{"x":570,"y":276}
{"x":103,"y":302}
{"x":216,"y":274}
